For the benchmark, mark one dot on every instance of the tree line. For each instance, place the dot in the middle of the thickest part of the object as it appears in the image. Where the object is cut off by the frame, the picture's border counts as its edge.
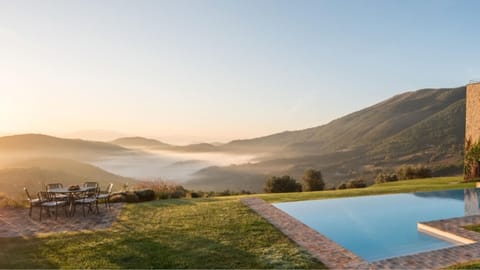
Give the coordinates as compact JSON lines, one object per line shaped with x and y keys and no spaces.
{"x":312,"y":180}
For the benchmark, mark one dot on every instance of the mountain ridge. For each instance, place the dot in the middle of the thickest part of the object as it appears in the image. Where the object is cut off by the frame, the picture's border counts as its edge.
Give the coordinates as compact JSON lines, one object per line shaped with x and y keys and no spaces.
{"x":426,"y":126}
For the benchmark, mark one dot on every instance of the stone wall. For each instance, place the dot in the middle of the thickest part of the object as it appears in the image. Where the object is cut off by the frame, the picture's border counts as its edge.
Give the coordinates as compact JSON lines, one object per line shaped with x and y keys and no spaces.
{"x":472,"y":126}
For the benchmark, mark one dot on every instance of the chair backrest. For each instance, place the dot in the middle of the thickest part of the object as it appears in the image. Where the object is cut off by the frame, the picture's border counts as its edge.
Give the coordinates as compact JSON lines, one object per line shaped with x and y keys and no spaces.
{"x":90,"y":193}
{"x":44,"y":196}
{"x":109,"y":188}
{"x":90,"y":184}
{"x":29,"y":198}
{"x":54,"y":185}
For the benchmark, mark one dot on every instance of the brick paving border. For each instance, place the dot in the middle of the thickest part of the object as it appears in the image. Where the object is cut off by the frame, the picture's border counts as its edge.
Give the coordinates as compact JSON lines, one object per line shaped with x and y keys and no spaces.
{"x":328,"y":252}
{"x":337,"y":257}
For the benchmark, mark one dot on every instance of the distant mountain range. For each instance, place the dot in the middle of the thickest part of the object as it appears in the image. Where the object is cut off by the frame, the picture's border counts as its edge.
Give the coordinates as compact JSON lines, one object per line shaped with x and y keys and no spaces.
{"x":33,"y":145}
{"x":420,"y":127}
{"x":152,"y":144}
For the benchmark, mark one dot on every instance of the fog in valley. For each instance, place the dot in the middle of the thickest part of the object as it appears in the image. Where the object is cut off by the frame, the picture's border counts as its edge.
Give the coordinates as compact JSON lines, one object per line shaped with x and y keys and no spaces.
{"x":167,"y":165}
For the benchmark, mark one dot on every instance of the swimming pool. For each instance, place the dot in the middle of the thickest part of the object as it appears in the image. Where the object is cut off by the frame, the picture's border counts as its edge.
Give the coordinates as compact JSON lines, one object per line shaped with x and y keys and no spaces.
{"x":384,"y":226}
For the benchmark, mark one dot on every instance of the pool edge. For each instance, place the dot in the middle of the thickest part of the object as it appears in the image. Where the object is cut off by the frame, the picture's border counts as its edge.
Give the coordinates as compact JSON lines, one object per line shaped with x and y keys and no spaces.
{"x":444,"y":235}
{"x":336,"y":257}
{"x":319,"y":246}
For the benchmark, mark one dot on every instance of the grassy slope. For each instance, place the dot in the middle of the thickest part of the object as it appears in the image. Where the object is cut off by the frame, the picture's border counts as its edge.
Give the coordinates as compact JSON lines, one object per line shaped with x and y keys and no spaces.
{"x":189,"y":233}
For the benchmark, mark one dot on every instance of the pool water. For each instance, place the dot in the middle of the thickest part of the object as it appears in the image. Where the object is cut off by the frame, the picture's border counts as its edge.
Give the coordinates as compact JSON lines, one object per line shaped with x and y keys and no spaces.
{"x":384,"y":226}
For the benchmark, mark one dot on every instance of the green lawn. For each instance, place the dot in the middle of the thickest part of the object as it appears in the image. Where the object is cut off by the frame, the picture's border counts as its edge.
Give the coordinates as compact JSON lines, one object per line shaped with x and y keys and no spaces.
{"x":187,"y":233}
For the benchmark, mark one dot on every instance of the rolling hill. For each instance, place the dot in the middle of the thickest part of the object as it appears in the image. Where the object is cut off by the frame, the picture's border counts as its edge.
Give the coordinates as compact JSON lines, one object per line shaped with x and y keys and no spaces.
{"x":152,"y":144}
{"x":140,"y":142}
{"x":419,"y":127}
{"x":27,"y":146}
{"x":35,"y":173}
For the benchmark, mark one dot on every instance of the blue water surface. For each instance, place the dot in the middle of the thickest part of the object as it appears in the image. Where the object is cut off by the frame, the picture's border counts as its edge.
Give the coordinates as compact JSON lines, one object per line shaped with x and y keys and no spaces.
{"x":383,"y":226}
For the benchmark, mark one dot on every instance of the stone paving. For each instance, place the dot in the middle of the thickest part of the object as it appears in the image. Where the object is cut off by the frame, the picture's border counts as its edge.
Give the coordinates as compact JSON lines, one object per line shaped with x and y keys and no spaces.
{"x":15,"y":222}
{"x":337,"y":257}
{"x":319,"y":246}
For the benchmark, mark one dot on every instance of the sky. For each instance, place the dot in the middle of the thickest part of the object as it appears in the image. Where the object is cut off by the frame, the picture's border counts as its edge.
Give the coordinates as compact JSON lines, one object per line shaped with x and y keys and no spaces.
{"x":200,"y":70}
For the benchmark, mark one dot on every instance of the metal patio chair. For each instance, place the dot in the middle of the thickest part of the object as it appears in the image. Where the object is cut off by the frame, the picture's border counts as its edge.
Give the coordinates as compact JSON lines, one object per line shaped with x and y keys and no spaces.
{"x":54,"y":186}
{"x":89,"y":199}
{"x":105,"y":196}
{"x":34,"y":202}
{"x":50,"y":202}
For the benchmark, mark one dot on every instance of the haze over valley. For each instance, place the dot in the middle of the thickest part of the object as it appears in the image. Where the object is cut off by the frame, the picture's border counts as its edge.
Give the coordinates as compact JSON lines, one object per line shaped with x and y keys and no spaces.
{"x":419,"y":127}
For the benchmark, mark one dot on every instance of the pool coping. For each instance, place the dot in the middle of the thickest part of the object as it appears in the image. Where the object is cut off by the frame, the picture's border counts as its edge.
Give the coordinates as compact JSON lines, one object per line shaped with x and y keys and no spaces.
{"x":335,"y":256}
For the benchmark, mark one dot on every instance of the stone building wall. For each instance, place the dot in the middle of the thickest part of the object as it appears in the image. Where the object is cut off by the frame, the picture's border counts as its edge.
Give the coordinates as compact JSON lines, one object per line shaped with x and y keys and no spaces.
{"x":472,"y":127}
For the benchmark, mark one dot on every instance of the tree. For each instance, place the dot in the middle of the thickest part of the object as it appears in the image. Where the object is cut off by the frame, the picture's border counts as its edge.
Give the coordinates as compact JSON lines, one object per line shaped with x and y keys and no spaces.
{"x":472,"y":158}
{"x":386,"y":177}
{"x":285,"y":183}
{"x":342,"y":186}
{"x":313,"y":180}
{"x":357,"y":183}
{"x":409,"y":172}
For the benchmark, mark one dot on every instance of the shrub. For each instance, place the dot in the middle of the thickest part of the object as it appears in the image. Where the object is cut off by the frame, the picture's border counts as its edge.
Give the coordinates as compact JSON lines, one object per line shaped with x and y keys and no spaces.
{"x":357,"y":183}
{"x":386,"y":177}
{"x":285,"y":183}
{"x":11,"y":202}
{"x":342,"y":186}
{"x":163,"y":190}
{"x":313,"y":180}
{"x":472,"y":158}
{"x":145,"y":195}
{"x":195,"y":195}
{"x":409,"y":172}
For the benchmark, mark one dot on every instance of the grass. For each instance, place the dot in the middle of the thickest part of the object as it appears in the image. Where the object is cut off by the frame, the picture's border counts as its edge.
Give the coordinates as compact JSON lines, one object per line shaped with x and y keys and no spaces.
{"x":187,"y":233}
{"x":416,"y":185}
{"x":182,"y":233}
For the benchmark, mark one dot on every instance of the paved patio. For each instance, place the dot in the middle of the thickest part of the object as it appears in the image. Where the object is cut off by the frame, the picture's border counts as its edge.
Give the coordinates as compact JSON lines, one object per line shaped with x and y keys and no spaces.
{"x":15,"y":222}
{"x":336,"y":257}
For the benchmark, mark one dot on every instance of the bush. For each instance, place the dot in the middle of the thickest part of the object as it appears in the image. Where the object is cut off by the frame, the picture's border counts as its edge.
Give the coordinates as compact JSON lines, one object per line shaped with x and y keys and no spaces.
{"x":386,"y":177}
{"x":342,"y":186}
{"x":11,"y":202}
{"x":127,"y":196}
{"x":409,"y":172}
{"x":357,"y":183}
{"x":471,"y":160}
{"x":282,"y":184}
{"x":196,"y":195}
{"x":145,"y":195}
{"x":163,"y":190}
{"x":313,"y":180}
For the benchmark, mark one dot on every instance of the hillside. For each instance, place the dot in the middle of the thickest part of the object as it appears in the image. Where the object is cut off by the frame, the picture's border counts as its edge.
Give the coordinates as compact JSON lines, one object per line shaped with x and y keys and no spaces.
{"x":421,"y":127}
{"x":372,"y":124}
{"x":152,"y":144}
{"x":140,"y":142}
{"x":37,"y":145}
{"x":35,"y":173}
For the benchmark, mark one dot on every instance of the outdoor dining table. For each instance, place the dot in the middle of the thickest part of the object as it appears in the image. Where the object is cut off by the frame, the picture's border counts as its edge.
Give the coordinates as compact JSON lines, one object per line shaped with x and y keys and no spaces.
{"x":71,"y":194}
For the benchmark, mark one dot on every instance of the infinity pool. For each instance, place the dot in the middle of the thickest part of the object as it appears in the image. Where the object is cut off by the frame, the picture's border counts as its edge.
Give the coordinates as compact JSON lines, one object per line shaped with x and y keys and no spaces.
{"x":384,"y":226}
